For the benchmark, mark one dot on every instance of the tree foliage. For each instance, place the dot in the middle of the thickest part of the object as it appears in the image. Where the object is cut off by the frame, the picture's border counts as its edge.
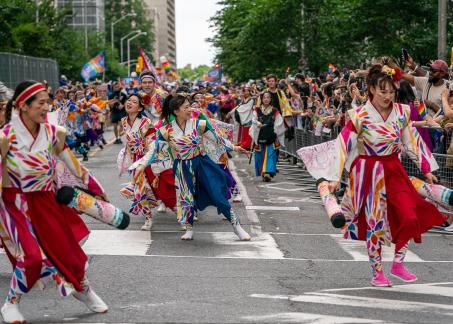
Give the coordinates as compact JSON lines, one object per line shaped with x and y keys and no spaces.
{"x":257,"y":37}
{"x":195,"y":73}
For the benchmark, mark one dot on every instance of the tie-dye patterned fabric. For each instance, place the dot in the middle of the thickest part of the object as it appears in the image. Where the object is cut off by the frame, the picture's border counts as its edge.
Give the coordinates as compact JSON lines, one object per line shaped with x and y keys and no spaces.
{"x":199,"y":181}
{"x":36,"y":171}
{"x":367,"y":147}
{"x":138,"y":192}
{"x":28,"y":171}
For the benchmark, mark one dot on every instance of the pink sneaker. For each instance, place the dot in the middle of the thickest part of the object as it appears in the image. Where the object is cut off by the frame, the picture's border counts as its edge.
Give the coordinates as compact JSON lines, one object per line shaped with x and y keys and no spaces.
{"x":399,"y":271}
{"x":380,"y":280}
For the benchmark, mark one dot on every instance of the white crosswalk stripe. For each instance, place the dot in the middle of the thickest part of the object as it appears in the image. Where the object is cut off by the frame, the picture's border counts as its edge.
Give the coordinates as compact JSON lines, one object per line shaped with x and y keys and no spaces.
{"x":348,"y":299}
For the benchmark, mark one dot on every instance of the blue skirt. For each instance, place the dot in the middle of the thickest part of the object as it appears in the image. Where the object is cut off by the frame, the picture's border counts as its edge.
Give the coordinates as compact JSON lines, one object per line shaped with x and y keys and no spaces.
{"x":206,"y":182}
{"x":266,"y":157}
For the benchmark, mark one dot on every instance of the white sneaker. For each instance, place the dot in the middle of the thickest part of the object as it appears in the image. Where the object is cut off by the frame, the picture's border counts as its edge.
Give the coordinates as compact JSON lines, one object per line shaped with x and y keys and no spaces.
{"x":148,"y":224}
{"x":188,"y":236}
{"x":161,"y":208}
{"x":92,"y":301}
{"x":237,"y":198}
{"x":11,"y":313}
{"x":449,"y":228}
{"x":239,"y":231}
{"x":195,"y":218}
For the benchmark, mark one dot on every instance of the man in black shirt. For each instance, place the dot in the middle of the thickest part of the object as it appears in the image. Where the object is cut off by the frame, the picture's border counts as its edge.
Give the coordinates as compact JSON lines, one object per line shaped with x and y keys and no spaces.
{"x":116,"y":104}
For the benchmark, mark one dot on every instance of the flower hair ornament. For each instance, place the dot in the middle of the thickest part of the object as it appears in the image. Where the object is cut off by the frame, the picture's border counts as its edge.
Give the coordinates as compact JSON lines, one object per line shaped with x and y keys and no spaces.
{"x":395,"y":74}
{"x":145,"y":98}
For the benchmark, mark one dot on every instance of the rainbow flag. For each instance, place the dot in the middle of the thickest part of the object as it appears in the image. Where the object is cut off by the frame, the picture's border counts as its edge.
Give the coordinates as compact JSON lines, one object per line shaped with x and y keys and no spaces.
{"x":332,"y":68}
{"x":165,"y":64}
{"x":313,"y":87}
{"x":94,"y":67}
{"x":422,"y":112}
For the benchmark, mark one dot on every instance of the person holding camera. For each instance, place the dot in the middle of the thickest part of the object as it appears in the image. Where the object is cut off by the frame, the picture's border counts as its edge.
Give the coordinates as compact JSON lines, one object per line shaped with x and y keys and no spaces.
{"x":429,"y":88}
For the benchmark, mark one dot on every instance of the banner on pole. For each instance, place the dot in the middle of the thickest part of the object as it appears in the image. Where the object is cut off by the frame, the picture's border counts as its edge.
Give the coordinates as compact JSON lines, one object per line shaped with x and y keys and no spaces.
{"x":94,"y":67}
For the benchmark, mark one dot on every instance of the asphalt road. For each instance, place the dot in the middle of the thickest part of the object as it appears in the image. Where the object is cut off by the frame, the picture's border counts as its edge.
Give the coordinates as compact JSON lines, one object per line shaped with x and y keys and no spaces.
{"x":296,"y":268}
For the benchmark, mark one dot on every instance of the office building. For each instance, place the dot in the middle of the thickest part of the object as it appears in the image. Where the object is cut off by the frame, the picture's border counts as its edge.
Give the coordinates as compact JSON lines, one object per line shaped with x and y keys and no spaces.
{"x":162,"y":13}
{"x":85,"y":13}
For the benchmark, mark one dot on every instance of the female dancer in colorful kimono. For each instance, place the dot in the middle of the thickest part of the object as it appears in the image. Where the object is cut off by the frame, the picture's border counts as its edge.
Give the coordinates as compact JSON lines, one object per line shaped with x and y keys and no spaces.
{"x":267,"y":133}
{"x":199,"y":181}
{"x":157,"y":183}
{"x":40,"y":236}
{"x":381,"y":205}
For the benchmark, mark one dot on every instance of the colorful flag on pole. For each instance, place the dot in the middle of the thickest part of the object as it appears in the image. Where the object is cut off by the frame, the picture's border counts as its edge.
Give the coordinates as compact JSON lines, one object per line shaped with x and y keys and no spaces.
{"x":147,"y":64}
{"x":214,"y":74}
{"x":332,"y":68}
{"x":165,"y":64}
{"x":422,"y":110}
{"x":94,"y":67}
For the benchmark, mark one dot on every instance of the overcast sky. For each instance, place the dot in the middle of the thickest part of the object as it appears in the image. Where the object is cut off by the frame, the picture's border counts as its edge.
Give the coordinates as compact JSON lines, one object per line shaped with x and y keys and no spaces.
{"x":192,"y":28}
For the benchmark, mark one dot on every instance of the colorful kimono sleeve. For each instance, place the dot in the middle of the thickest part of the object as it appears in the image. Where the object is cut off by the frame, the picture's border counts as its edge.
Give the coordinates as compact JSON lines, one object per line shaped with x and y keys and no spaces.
{"x":213,"y":134}
{"x":279,"y":128}
{"x":417,"y":150}
{"x":327,"y":160}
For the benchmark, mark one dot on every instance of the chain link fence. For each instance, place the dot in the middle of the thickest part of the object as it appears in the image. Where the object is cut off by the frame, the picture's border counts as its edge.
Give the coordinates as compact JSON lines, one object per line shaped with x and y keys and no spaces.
{"x":16,"y":68}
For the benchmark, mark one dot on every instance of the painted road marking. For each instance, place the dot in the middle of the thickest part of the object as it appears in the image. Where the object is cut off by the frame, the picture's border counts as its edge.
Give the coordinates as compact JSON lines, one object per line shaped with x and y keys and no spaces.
{"x":357,"y":249}
{"x":282,"y":186}
{"x":113,"y":242}
{"x":262,"y":246}
{"x":360,"y":301}
{"x":271,"y":208}
{"x":444,"y":289}
{"x":307,"y":318}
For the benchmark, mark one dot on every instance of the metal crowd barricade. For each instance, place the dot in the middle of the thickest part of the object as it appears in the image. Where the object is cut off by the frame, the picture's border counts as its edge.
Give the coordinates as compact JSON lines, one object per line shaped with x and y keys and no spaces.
{"x":307,"y":137}
{"x":15,"y":68}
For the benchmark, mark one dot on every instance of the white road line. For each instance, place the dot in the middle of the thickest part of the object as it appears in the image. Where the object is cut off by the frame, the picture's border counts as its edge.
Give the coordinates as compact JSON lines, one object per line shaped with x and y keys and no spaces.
{"x":444,"y":289}
{"x":287,"y":208}
{"x":262,"y":246}
{"x":115,"y":242}
{"x":307,"y":318}
{"x":357,"y":249}
{"x":363,"y":302}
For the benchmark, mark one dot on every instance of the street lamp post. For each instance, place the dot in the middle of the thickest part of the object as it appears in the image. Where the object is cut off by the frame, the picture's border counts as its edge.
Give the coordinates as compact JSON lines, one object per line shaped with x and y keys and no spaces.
{"x":132,"y":14}
{"x":129,"y":51}
{"x":123,"y":38}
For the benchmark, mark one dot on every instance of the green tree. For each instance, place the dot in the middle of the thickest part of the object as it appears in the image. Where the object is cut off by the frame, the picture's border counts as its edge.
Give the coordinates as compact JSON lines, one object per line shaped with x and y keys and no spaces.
{"x":195,"y":73}
{"x":257,"y":37}
{"x":114,"y":10}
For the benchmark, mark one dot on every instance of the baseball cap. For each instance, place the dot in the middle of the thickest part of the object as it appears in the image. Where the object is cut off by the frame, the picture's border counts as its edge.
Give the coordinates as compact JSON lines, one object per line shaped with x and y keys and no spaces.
{"x":439,"y":65}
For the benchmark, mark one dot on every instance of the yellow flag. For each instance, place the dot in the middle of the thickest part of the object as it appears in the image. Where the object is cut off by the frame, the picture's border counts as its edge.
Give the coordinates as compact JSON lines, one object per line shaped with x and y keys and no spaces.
{"x":139,"y":65}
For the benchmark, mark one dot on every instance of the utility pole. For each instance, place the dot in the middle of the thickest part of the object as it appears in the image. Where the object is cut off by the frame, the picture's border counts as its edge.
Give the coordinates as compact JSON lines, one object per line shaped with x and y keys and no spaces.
{"x":442,"y":29}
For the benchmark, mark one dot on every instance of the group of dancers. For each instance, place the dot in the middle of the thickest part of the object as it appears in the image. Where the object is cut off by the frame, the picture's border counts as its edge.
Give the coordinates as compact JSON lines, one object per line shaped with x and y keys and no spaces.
{"x":177,"y":158}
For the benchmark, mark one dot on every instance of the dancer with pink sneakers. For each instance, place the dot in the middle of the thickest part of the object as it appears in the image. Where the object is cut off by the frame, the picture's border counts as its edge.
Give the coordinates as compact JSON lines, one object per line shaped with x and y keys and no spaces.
{"x":381,"y":205}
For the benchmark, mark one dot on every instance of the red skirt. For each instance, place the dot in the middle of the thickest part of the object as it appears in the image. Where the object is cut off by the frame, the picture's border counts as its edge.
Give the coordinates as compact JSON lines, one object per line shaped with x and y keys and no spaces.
{"x":244,"y":140}
{"x":409,"y":215}
{"x":56,"y":229}
{"x":165,"y":191}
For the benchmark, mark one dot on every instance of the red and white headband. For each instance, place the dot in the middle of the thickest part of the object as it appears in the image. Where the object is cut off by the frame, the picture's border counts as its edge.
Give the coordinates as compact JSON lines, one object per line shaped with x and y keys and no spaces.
{"x":28,"y":93}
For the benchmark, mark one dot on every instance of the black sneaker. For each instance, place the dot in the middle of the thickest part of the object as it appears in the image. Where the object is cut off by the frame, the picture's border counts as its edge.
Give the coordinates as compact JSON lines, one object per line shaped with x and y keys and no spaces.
{"x":103,"y":141}
{"x":85,"y":157}
{"x":118,"y":141}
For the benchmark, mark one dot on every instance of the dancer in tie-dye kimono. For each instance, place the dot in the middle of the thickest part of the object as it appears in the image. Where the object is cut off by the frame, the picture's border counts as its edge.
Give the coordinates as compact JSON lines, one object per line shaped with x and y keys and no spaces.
{"x":267,"y":135}
{"x":199,"y":181}
{"x":41,"y":237}
{"x":157,"y":183}
{"x":381,"y":205}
